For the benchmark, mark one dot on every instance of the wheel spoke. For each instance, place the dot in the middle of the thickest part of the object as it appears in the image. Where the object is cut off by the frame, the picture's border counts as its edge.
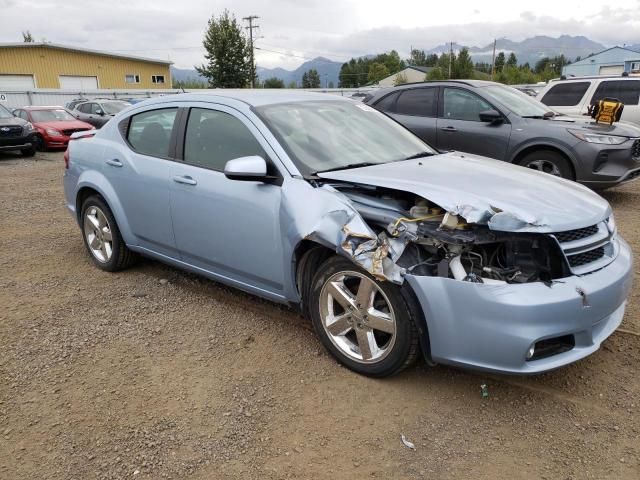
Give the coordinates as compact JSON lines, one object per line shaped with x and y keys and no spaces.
{"x":340,"y":324}
{"x":366,"y":343}
{"x":91,"y":221}
{"x":366,"y":291}
{"x":106,"y":235}
{"x":94,"y":242}
{"x":341,"y":294}
{"x":102,"y":220}
{"x":382,"y":321}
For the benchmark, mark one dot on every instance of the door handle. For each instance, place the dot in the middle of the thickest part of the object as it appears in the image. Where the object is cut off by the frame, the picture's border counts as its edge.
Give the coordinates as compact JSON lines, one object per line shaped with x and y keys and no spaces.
{"x":114,"y":163}
{"x":186,"y":180}
{"x":449,"y":129}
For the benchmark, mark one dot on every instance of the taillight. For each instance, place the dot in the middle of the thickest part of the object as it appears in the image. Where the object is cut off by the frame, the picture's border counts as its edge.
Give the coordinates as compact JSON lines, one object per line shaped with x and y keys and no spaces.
{"x":66,"y":158}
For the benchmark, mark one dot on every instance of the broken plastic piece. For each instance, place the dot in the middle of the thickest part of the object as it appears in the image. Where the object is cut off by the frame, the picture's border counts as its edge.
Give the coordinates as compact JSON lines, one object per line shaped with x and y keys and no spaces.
{"x":407,"y":443}
{"x":485,"y":390}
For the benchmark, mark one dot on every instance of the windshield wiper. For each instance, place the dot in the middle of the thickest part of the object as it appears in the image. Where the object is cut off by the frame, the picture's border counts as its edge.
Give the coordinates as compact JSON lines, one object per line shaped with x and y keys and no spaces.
{"x":420,"y":155}
{"x":544,"y":116}
{"x":345,"y":167}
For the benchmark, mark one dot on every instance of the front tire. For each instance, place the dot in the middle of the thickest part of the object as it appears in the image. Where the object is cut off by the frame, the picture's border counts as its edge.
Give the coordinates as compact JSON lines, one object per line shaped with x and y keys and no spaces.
{"x":549,"y":162}
{"x":28,"y":152}
{"x":102,"y":237}
{"x":365,"y":324}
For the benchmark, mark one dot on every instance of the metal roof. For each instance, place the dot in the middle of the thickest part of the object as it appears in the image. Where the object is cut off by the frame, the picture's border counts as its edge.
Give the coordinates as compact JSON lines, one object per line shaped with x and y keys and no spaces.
{"x":81,"y":50}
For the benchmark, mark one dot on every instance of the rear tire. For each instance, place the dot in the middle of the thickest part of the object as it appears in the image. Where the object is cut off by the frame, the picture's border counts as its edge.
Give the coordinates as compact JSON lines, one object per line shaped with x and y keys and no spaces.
{"x":548,"y":161}
{"x":365,"y":324}
{"x":102,"y":237}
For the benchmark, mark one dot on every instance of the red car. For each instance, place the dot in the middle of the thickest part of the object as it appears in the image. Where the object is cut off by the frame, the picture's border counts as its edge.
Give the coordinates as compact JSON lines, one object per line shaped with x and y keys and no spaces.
{"x":54,"y":124}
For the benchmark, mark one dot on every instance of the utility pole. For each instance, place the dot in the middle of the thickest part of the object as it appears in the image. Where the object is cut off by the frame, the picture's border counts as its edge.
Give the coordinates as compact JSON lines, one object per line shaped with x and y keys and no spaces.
{"x":251,"y":26}
{"x":450,"y":58}
{"x":493,"y":59}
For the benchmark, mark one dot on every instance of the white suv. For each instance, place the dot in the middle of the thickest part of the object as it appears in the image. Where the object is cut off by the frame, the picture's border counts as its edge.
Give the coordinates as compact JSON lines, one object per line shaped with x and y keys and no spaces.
{"x":574,"y":95}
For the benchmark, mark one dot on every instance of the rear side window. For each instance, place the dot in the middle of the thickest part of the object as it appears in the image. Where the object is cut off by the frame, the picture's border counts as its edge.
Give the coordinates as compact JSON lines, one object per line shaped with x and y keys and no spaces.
{"x":627,"y":91}
{"x":388,"y":103}
{"x":213,"y":138}
{"x":565,"y":94}
{"x":417,"y":101}
{"x":150,"y":132}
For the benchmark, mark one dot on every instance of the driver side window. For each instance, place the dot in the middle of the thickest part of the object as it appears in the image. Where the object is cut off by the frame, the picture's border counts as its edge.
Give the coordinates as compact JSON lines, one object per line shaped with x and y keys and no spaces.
{"x":462,"y":105}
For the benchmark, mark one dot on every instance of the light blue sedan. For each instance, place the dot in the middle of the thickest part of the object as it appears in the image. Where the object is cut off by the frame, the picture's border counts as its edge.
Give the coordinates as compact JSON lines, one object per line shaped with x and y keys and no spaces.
{"x":391,"y":248}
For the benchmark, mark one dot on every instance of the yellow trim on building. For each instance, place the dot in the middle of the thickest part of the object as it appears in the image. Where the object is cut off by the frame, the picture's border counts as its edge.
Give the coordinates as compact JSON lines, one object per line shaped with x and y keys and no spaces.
{"x":48,"y":63}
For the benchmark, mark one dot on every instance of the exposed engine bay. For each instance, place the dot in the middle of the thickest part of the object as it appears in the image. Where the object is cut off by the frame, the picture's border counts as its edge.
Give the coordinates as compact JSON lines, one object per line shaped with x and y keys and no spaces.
{"x":424,"y":239}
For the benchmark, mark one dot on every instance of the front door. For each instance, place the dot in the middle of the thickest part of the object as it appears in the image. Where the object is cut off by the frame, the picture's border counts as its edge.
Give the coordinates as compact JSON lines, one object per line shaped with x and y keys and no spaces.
{"x":459,"y":126}
{"x":229,"y":228}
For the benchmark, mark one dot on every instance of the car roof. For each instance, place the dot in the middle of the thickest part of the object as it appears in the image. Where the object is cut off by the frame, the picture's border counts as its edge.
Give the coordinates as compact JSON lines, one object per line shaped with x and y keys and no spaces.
{"x":594,"y":77}
{"x":254,"y":98}
{"x":43,"y":107}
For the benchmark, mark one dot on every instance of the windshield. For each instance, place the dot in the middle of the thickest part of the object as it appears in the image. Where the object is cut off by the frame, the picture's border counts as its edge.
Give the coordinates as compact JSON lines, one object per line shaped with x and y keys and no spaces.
{"x":114,"y":107}
{"x":326,"y":135}
{"x":57,"y":115}
{"x":519,"y":103}
{"x":4,"y":113}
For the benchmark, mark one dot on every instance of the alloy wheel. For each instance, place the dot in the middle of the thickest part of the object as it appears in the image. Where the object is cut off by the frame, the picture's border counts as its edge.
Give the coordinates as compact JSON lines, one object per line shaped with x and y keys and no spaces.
{"x":97,"y":232}
{"x":357,"y":317}
{"x":544,"y":166}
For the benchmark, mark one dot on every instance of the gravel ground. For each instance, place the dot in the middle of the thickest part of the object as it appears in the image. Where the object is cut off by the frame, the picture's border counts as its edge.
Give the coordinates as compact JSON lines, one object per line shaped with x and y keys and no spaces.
{"x":155,"y":373}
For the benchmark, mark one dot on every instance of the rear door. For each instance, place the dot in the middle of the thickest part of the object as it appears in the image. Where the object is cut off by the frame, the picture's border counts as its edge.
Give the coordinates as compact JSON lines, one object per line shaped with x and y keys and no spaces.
{"x":139,"y":171}
{"x":416,"y":109}
{"x":228,"y":228}
{"x":459,"y":126}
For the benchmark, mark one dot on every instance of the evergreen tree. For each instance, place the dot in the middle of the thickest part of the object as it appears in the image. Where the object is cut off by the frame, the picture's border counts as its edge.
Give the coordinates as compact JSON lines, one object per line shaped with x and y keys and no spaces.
{"x":273,"y":82}
{"x":500,"y":60}
{"x":311,"y":79}
{"x":512,"y":61}
{"x":228,"y":57}
{"x":463,"y":65}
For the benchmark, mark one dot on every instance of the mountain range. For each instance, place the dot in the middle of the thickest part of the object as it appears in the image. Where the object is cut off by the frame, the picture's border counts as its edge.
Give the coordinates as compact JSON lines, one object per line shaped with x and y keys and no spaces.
{"x":529,"y":50}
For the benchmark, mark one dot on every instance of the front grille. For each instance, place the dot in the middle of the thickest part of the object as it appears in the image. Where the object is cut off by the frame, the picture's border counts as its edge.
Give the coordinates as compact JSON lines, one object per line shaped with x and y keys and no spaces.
{"x":8,"y":131}
{"x":73,"y":130}
{"x":580,"y":233}
{"x":586,"y":257}
{"x":635,"y":150}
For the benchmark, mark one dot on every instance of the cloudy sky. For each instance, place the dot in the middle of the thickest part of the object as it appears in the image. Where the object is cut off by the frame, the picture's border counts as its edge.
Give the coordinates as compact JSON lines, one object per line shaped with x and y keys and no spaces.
{"x":294,"y":30}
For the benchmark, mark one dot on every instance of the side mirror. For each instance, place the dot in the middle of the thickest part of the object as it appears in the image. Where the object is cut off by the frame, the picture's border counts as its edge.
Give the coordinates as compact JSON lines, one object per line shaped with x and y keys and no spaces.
{"x":491,"y":116}
{"x":253,"y":168}
{"x":99,"y":112}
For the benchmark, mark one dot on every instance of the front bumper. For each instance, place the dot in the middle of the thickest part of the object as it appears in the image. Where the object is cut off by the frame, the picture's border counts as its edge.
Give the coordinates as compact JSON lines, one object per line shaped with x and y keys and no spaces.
{"x":606,"y":166}
{"x":491,"y":327}
{"x":56,"y":142}
{"x":17,"y":143}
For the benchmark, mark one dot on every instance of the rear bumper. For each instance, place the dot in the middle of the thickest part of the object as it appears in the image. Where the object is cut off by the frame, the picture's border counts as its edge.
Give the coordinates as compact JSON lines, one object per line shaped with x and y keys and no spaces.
{"x":491,"y":327}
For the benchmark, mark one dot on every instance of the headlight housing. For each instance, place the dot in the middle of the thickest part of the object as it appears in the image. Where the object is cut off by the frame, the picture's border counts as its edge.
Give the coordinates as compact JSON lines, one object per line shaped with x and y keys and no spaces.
{"x":28,"y":127}
{"x":598,"y":138}
{"x":53,"y":132}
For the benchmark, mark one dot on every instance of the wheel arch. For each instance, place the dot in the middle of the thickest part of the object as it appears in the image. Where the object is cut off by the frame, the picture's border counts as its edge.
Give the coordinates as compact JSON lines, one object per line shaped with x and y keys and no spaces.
{"x":307,"y":256}
{"x":547,"y":147}
{"x":93,"y":183}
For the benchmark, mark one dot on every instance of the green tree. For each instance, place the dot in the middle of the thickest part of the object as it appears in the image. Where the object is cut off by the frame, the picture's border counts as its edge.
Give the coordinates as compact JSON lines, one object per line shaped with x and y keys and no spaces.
{"x":417,"y":58}
{"x":331,"y":85}
{"x":499,"y":63}
{"x":436,"y":74}
{"x":377,"y":71}
{"x":463,"y":65}
{"x":27,"y":37}
{"x":311,"y":79}
{"x":432,"y":60}
{"x":273,"y":82}
{"x":228,"y":57}
{"x":400,"y":79}
{"x":292,"y":84}
{"x":444,"y":63}
{"x":512,"y":61}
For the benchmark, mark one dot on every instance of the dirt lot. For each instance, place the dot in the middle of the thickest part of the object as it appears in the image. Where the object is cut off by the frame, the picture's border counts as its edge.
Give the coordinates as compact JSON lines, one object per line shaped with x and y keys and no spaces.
{"x":154,"y":373}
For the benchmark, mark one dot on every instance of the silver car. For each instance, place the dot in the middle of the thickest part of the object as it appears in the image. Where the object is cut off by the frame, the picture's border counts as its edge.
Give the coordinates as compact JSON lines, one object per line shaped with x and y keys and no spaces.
{"x":331,"y":207}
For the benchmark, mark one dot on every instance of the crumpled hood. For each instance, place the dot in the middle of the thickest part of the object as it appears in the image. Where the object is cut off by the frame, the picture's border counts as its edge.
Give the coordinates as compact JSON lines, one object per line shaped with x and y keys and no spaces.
{"x":506,"y":197}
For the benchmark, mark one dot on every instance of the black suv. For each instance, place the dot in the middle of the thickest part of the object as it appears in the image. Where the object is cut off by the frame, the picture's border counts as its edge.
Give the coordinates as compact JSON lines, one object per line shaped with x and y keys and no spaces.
{"x":17,"y":134}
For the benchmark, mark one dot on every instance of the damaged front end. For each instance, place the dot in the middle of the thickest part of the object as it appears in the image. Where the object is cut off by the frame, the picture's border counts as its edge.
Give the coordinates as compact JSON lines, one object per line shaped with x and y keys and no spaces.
{"x":410,"y":235}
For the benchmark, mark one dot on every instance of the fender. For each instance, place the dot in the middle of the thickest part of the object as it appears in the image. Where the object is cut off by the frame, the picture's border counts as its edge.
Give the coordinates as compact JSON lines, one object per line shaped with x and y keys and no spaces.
{"x":97,"y":181}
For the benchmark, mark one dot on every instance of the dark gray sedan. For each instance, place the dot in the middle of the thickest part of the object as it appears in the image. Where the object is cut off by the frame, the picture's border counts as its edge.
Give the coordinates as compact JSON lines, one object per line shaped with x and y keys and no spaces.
{"x":493,"y":120}
{"x":98,"y":112}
